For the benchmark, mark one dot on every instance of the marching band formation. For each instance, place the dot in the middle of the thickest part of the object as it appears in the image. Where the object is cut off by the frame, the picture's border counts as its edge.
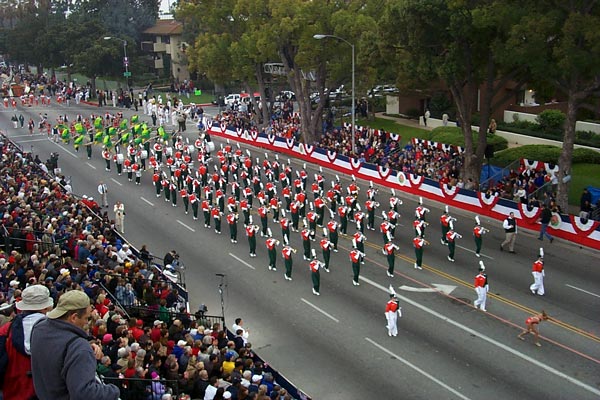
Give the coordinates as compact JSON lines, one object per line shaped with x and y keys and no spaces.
{"x":226,"y":182}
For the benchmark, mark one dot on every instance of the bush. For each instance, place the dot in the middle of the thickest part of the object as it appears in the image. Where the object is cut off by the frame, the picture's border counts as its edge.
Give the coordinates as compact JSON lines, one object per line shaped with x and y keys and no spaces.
{"x":537,"y":152}
{"x":454,"y":135}
{"x":586,"y":156}
{"x":551,"y":119}
{"x":413,"y":113}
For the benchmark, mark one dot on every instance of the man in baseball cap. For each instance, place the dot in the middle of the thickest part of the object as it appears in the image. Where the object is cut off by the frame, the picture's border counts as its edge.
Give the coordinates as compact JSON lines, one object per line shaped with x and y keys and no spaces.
{"x":34,"y":303}
{"x":69,"y":370}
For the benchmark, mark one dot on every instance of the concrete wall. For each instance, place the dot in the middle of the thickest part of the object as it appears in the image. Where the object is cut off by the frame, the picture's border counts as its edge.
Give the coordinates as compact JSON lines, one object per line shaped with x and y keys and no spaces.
{"x":579,"y":125}
{"x":514,"y":139}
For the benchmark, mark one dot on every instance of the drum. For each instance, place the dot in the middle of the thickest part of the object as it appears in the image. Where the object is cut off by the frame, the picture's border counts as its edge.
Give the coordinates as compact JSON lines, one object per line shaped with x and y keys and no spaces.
{"x":169,"y":151}
{"x":144,"y":154}
{"x":120,"y":158}
{"x":210,"y":146}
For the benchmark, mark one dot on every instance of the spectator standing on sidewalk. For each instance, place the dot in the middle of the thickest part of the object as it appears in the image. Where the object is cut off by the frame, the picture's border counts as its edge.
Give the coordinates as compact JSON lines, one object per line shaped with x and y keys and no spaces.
{"x":544,"y":219}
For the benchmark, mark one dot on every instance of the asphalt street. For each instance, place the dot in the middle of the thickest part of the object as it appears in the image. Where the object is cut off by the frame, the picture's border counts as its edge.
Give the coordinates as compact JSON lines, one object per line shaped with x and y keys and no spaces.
{"x":335,"y":346}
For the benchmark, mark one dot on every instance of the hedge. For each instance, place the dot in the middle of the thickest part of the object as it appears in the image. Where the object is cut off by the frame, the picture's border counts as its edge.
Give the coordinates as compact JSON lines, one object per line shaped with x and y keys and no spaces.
{"x":453,"y":135}
{"x":545,"y":153}
{"x":527,"y":128}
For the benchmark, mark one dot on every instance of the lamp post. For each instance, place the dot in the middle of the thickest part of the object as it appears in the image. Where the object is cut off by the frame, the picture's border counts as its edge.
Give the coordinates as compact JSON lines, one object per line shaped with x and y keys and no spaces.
{"x":353,"y":130}
{"x":125,"y":59}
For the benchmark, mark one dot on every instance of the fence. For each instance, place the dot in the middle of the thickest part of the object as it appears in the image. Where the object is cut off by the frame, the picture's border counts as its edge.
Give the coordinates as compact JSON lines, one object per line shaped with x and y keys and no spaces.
{"x":143,"y":389}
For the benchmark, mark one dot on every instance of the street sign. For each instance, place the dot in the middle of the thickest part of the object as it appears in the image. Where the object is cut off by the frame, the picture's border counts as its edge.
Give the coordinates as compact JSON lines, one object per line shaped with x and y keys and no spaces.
{"x":127,"y":74}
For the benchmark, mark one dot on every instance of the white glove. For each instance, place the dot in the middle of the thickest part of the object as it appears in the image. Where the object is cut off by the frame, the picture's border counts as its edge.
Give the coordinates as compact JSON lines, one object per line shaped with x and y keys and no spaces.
{"x":400,"y":311}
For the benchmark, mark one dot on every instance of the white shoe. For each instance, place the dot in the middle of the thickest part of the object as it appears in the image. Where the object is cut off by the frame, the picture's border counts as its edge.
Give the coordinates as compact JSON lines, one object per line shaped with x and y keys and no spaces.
{"x":390,"y":275}
{"x":484,"y":310}
{"x":315,"y":292}
{"x":356,"y":283}
{"x":477,"y":255}
{"x":450,"y":259}
{"x":442,"y":241}
{"x":326,"y":270}
{"x":270,"y":268}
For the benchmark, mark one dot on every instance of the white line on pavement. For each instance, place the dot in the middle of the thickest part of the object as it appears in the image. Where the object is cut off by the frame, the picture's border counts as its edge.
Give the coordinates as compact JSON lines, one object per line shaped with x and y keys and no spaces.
{"x":488,"y":339}
{"x":90,"y":165}
{"x":63,"y":147}
{"x":147,"y":202}
{"x":242,"y":261}
{"x":185,"y":226}
{"x":331,"y":317}
{"x":419,"y":370}
{"x":583,"y":290}
{"x":30,"y":136}
{"x":31,"y":140}
{"x":116,"y":181}
{"x":472,"y":251}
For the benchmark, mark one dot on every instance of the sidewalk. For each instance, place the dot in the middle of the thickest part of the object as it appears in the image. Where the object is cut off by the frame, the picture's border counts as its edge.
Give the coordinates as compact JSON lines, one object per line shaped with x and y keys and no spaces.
{"x":403,"y":121}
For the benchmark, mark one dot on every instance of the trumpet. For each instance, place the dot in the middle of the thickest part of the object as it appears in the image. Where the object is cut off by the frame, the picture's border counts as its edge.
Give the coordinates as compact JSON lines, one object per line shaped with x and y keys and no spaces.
{"x":425,"y":223}
{"x":458,"y":236}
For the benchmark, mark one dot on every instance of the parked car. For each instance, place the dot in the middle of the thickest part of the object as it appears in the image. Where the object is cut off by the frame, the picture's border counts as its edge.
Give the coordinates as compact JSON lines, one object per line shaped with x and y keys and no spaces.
{"x":230,"y":99}
{"x":337,"y":93}
{"x":285,"y":95}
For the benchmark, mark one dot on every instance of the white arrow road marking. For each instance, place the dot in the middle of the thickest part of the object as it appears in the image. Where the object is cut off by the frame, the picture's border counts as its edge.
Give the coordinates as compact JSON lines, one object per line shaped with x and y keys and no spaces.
{"x":419,"y":370}
{"x":485,"y":338}
{"x":242,"y":261}
{"x":321,"y":311}
{"x":447,"y":289}
{"x":583,"y":290}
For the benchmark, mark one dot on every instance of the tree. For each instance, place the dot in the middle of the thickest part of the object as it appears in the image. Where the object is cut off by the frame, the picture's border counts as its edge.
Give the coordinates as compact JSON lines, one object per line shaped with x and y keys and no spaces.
{"x":459,"y":43}
{"x":562,"y":47}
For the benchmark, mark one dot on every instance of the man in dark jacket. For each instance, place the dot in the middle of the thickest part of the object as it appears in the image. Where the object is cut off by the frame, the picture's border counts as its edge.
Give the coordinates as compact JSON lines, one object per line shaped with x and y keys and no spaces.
{"x":69,"y":371}
{"x":545,"y":218}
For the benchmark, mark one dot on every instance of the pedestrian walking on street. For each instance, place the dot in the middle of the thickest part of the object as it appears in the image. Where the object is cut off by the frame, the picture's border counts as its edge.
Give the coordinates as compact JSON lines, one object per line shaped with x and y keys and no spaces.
{"x":103,"y":191}
{"x":315,"y":276}
{"x":119,"y":210}
{"x":510,"y":229}
{"x":545,"y":218}
{"x":537,"y":270}
{"x":481,"y":288}
{"x":531,"y":323}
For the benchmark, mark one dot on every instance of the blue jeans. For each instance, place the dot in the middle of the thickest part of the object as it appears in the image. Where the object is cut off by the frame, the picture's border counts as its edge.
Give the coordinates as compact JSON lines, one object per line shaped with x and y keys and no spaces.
{"x":544,"y":233}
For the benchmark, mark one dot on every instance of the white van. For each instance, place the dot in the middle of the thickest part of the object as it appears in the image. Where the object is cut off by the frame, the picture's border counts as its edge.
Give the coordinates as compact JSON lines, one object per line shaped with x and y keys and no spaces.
{"x":230,"y":99}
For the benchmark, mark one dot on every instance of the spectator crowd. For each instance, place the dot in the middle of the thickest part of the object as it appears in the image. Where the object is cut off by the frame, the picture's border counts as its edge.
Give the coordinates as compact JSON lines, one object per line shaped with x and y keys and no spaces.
{"x":151,"y":347}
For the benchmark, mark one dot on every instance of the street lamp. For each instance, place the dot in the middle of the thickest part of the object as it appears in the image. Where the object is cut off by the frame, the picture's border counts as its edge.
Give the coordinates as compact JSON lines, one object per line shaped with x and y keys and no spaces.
{"x":125,"y":59}
{"x":321,"y":36}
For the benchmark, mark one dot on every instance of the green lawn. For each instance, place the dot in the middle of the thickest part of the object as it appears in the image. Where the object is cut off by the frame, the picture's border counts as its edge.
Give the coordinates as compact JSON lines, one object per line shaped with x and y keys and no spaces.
{"x":583,"y":175}
{"x":204,"y":98}
{"x":406,"y":132}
